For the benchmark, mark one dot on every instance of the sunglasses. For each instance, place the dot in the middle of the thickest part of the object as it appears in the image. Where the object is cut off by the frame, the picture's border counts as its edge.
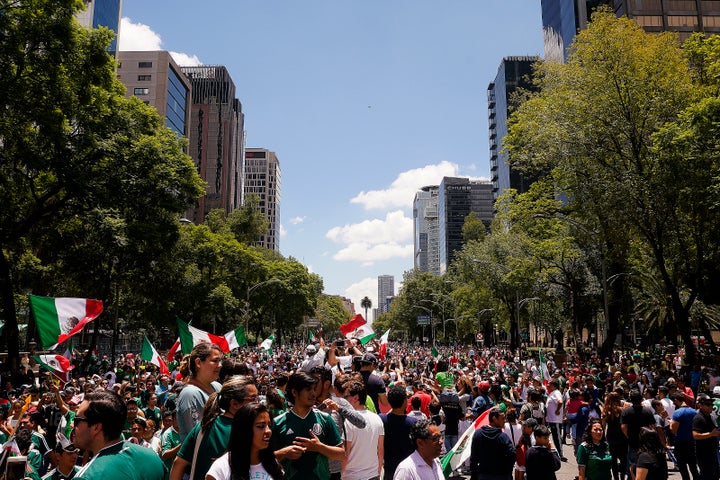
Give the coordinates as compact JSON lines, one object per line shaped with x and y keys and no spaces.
{"x":79,"y":419}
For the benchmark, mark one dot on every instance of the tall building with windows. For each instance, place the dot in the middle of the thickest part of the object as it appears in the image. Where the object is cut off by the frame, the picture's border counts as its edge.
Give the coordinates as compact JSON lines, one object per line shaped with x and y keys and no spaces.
{"x":513,"y":73}
{"x":262,"y":178}
{"x":156,"y":79}
{"x":562,"y":19}
{"x":457,"y":197}
{"x":386,"y":292}
{"x":425,"y":229}
{"x":102,"y":13}
{"x":216,"y":137}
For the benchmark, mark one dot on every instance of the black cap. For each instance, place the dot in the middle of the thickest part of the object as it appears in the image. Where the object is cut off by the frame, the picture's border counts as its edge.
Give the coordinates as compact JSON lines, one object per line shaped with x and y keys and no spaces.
{"x":369,"y":358}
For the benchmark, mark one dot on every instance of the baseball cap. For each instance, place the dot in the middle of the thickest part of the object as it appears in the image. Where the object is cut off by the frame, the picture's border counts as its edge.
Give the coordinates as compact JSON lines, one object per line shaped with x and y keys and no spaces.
{"x":69,"y":448}
{"x":704,"y":399}
{"x":369,"y":358}
{"x":311,"y":349}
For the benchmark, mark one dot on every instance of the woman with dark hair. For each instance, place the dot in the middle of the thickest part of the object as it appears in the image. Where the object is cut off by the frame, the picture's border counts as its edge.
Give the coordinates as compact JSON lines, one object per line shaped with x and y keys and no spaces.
{"x":615,"y":437}
{"x":232,"y":366}
{"x":202,"y":368}
{"x":593,"y":455}
{"x":208,"y":440}
{"x":651,"y":463}
{"x":248,"y":455}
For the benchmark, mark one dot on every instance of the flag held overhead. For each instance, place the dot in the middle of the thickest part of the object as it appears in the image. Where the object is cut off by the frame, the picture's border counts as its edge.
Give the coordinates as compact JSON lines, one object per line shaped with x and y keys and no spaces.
{"x":58,"y":319}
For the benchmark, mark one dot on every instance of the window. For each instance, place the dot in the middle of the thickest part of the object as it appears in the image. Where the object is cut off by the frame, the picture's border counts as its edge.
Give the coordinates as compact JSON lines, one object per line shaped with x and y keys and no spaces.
{"x":141,"y":91}
{"x":144,"y":64}
{"x":144,"y":78}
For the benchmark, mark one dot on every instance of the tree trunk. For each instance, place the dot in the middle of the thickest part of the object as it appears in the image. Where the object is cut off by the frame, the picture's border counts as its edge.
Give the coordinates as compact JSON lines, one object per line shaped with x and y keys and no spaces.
{"x":10,"y":331}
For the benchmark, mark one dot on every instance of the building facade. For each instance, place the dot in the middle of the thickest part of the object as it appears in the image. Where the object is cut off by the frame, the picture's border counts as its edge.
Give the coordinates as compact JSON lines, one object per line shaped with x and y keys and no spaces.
{"x":216,"y":137}
{"x":102,"y":13}
{"x":425,"y":229}
{"x":457,"y":197}
{"x":513,"y":73}
{"x":262,"y":178}
{"x":386,"y":292}
{"x":156,"y":79}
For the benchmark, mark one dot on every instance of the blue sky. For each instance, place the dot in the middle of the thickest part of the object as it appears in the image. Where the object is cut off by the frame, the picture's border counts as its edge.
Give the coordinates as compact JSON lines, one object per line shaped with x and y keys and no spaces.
{"x":364,"y":101}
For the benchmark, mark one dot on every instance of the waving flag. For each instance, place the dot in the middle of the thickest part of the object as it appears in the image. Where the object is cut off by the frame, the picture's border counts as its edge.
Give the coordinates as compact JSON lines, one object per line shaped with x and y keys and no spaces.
{"x":58,"y":319}
{"x":149,"y":354}
{"x":544,"y":370}
{"x":171,"y":353}
{"x":191,"y":336}
{"x":267,"y":343}
{"x":356,"y":322}
{"x":383,"y":344}
{"x":236,"y":338}
{"x":461,"y":451}
{"x":54,"y":362}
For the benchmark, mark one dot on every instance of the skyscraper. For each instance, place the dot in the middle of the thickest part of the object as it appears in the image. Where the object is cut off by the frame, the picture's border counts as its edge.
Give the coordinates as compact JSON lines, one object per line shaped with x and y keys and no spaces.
{"x":216,"y":139}
{"x":262,"y":177}
{"x":425,"y":227}
{"x":156,"y":79}
{"x":386,"y":292}
{"x":102,"y":13}
{"x":513,"y":73}
{"x":457,"y":197}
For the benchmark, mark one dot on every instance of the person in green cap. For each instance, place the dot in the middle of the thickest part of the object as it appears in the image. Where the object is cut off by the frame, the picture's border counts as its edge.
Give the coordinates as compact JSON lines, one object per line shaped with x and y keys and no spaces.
{"x":98,"y":427}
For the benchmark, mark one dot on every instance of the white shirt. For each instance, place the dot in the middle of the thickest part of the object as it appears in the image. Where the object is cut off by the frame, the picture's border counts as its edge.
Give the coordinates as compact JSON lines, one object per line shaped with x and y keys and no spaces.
{"x":220,"y":470}
{"x":415,"y":468}
{"x":553,"y":400}
{"x":363,"y":460}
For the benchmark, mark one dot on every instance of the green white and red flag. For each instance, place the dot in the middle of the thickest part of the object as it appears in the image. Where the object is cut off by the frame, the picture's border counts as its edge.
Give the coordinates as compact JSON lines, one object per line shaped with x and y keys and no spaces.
{"x":382,"y":350}
{"x":236,"y":338}
{"x":149,"y":354}
{"x":356,"y":322}
{"x":191,"y":336}
{"x":171,"y":353}
{"x":461,"y":451}
{"x":58,"y":319}
{"x":267,"y":344}
{"x":52,"y":362}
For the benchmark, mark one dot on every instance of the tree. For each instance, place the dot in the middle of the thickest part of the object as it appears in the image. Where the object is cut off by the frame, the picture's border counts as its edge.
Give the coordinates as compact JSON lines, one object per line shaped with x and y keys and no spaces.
{"x":366,"y":304}
{"x":605,"y":128}
{"x":473,"y":228}
{"x":248,"y":223}
{"x":70,"y":143}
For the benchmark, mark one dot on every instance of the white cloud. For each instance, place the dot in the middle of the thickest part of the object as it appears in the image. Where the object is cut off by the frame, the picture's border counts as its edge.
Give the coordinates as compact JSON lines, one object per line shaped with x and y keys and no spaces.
{"x":367,"y":287}
{"x":138,"y":37}
{"x":369,"y":254}
{"x":283,"y":232}
{"x":297,"y":220}
{"x":402,"y":190}
{"x":396,"y":227}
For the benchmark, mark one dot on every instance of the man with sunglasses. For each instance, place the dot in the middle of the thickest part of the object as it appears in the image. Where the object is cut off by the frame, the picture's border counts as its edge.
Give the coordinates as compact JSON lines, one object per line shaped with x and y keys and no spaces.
{"x":98,"y":427}
{"x":423,"y":463}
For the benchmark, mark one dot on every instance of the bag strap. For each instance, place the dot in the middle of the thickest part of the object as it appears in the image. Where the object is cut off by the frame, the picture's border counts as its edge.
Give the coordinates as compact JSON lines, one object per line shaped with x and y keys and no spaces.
{"x":198,"y":440}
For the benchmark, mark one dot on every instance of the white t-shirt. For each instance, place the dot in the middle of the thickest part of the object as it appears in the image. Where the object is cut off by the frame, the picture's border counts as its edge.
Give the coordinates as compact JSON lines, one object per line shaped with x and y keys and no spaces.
{"x":363,"y":461}
{"x":552,"y":403}
{"x":220,"y":470}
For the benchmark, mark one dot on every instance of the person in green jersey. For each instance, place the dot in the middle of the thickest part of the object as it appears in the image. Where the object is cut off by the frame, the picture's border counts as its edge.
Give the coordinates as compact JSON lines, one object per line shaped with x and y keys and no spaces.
{"x":593,"y":455}
{"x":209,"y":439}
{"x":304,"y":438}
{"x":64,"y":458}
{"x":170,"y":442}
{"x":98,"y":425}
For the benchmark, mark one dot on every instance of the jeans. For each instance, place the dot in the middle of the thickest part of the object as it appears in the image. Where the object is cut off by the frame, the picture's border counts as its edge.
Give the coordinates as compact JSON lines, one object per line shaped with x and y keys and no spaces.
{"x":556,"y":436}
{"x":450,"y":441}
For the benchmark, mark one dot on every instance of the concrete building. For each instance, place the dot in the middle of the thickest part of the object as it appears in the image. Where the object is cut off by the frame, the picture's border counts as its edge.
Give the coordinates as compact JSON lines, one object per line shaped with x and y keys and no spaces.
{"x":156,"y":79}
{"x":102,"y":13}
{"x":262,"y":177}
{"x":457,"y":197}
{"x":386,"y":292}
{"x":425,"y":228}
{"x":562,"y":19}
{"x":513,"y":73}
{"x":216,"y":136}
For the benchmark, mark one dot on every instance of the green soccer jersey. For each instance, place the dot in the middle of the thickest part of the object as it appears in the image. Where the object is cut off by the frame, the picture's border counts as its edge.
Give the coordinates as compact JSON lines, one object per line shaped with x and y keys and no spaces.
{"x":213,"y":444}
{"x":311,"y":465}
{"x":123,"y":461}
{"x":596,"y":459}
{"x":169,"y":439}
{"x":56,"y":475}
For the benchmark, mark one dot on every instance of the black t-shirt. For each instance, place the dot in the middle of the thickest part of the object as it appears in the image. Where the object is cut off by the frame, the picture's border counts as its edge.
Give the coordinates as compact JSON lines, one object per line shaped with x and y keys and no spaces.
{"x":397,"y":440}
{"x":656,"y":467}
{"x":636,"y":417}
{"x":705,"y":424}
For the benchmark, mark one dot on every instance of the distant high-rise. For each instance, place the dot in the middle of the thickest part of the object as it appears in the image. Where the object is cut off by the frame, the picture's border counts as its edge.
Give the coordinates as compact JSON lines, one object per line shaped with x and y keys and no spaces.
{"x":102,"y":13}
{"x":156,"y":79}
{"x":562,"y":19}
{"x":425,"y":227}
{"x":386,"y":290}
{"x":216,"y":139}
{"x":262,"y":177}
{"x":457,"y":197}
{"x":514,"y":73}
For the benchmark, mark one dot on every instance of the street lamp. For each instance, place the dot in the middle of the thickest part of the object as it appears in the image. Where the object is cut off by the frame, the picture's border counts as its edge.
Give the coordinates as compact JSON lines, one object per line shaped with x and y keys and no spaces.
{"x":442,"y":309}
{"x":251,"y":289}
{"x":520,"y":304}
{"x":432,"y":327}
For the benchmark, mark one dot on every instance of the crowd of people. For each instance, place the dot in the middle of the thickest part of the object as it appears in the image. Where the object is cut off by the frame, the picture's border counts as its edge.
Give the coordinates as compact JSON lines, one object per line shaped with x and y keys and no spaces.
{"x":343,"y":410}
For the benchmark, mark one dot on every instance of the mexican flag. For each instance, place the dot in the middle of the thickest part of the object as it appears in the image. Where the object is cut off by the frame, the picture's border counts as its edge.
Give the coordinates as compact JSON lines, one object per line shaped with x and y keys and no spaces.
{"x":544,"y":369}
{"x":461,"y":451}
{"x":311,"y":337}
{"x":434,"y":353}
{"x":364,"y":332}
{"x":236,"y":338}
{"x":149,"y":354}
{"x":58,"y":319}
{"x":191,"y":336}
{"x":267,"y":343}
{"x":356,"y":322}
{"x":171,"y":353}
{"x":58,"y":363}
{"x":383,"y":345}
